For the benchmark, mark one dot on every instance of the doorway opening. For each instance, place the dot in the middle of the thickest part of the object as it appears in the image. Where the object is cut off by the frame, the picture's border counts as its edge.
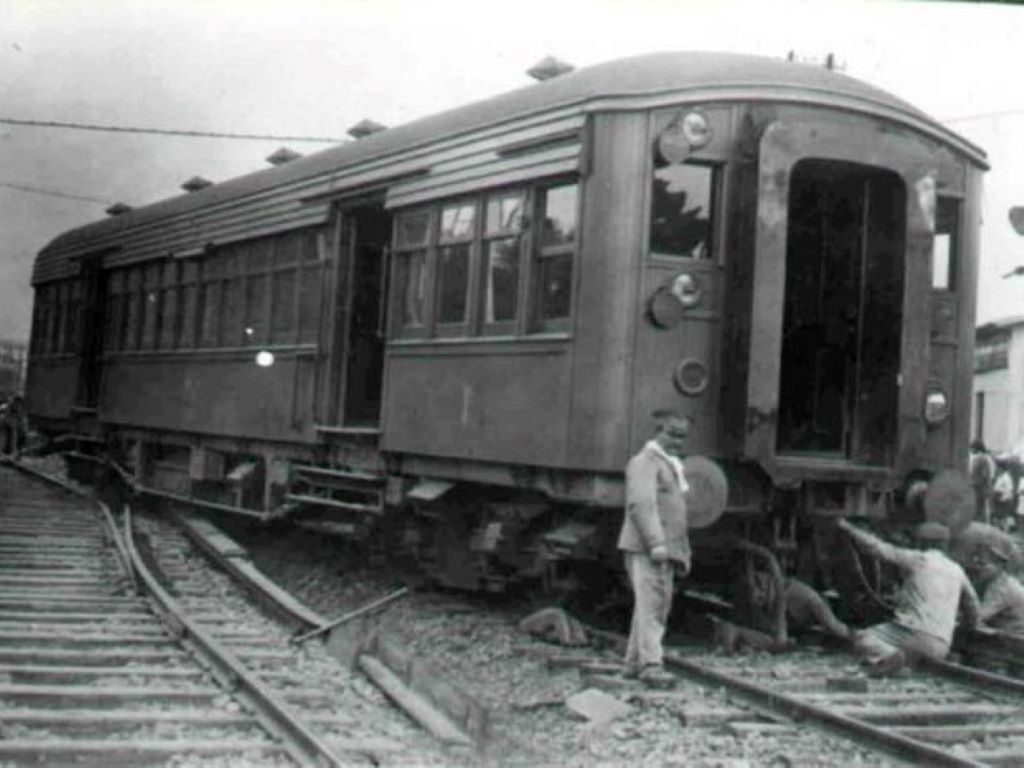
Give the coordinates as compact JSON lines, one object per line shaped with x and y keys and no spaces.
{"x":843,"y":312}
{"x":364,"y":347}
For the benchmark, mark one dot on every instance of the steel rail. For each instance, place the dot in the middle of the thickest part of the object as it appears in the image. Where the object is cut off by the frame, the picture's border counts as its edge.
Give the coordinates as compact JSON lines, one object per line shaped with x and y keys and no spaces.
{"x":123,"y":559}
{"x":275,"y":714}
{"x":304,"y":745}
{"x":977,"y":677}
{"x":793,"y":707}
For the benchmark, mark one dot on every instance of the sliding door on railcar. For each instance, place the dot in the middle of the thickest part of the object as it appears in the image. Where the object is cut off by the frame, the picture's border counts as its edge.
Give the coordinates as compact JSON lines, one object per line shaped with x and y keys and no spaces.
{"x":367,"y":236}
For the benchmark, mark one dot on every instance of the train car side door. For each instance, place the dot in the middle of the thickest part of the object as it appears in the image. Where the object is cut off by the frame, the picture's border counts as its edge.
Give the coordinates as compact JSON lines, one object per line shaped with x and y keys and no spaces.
{"x":839,"y":345}
{"x":367,"y":239}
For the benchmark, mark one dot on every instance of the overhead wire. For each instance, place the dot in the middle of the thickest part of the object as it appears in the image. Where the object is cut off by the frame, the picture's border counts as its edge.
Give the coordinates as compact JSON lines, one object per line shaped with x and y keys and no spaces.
{"x":982,"y":115}
{"x":165,"y":131}
{"x":52,"y":192}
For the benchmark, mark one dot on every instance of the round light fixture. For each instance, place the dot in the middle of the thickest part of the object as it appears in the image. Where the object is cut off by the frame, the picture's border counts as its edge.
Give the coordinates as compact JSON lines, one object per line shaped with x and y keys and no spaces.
{"x":691,"y":377}
{"x":696,"y":130}
{"x":936,"y":406}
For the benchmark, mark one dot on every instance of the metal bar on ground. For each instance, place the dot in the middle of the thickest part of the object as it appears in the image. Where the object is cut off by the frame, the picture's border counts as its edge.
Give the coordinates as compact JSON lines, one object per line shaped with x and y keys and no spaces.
{"x":351,"y":615}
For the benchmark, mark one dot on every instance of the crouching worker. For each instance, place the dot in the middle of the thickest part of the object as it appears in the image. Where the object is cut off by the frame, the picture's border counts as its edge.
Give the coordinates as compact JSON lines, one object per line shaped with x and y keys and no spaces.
{"x":926,"y":605}
{"x":1002,"y":596}
{"x":655,"y":542}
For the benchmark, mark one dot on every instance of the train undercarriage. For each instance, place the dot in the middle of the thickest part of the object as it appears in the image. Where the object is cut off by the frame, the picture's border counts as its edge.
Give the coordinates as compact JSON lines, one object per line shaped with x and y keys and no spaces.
{"x":475,"y":537}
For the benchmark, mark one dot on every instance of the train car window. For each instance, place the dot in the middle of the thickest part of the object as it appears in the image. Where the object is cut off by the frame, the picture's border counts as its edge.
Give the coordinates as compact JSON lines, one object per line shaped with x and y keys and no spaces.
{"x":453,"y":283}
{"x":453,"y":262}
{"x":169,"y":306}
{"x":282,"y":304}
{"x":46,"y":337}
{"x":72,"y":324}
{"x":946,"y":244}
{"x":52,"y":320}
{"x":118,"y":309}
{"x":151,"y":306}
{"x":57,"y":325}
{"x":186,"y":337}
{"x":255,"y":331}
{"x":502,"y":259}
{"x":457,"y":222}
{"x":60,"y":325}
{"x":556,"y":249}
{"x":112,"y":311}
{"x":412,"y":229}
{"x":682,"y":201}
{"x":133,"y":313}
{"x":309,"y":290}
{"x":209,"y":303}
{"x":411,"y":288}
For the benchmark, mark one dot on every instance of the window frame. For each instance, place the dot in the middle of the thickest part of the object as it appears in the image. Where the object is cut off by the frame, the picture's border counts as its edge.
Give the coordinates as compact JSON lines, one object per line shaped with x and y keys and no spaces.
{"x":511,"y":326}
{"x":460,"y":328}
{"x":540,"y":253}
{"x":715,"y":199}
{"x":532,"y":256}
{"x":406,"y":251}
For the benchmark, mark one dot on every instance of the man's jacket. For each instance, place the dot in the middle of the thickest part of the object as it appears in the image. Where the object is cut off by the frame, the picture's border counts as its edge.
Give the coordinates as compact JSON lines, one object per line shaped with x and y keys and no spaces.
{"x":655,"y":506}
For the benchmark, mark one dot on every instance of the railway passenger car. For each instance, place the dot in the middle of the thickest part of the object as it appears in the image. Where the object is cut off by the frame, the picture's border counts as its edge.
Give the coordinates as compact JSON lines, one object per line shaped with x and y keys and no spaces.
{"x":463,"y":325}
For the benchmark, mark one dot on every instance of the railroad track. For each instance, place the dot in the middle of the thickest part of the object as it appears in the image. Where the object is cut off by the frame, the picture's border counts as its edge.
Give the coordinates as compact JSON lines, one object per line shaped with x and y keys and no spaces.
{"x":89,"y":674}
{"x":938,"y":714}
{"x":943,"y":715}
{"x":93,"y":673}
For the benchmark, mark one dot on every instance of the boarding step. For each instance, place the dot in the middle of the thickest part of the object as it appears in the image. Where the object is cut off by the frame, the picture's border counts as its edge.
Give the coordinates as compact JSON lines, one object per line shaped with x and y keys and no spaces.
{"x":336,"y":476}
{"x":354,"y":494}
{"x":325,"y":501}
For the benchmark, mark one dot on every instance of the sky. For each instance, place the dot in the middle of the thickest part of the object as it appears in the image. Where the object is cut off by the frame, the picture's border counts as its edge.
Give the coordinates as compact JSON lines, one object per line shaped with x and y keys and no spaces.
{"x":317,"y":67}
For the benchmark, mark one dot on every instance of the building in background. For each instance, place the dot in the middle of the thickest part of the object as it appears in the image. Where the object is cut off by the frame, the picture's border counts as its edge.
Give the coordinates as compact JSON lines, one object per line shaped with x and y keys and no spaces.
{"x":997,"y":413}
{"x":12,"y":366}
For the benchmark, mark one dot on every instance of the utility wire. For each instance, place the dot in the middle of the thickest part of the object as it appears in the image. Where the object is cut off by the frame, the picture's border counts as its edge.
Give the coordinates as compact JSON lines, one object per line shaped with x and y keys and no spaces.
{"x":982,"y":115}
{"x":51,"y":192}
{"x":165,"y":131}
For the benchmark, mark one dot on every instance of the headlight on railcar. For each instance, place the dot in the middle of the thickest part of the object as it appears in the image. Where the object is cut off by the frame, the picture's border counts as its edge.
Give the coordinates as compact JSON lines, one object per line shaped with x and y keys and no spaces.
{"x":936,"y":405}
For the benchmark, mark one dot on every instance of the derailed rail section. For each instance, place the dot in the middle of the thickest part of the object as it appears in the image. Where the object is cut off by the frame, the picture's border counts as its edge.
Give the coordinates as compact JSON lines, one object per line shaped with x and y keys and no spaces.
{"x":437,"y":704}
{"x":87,"y":605}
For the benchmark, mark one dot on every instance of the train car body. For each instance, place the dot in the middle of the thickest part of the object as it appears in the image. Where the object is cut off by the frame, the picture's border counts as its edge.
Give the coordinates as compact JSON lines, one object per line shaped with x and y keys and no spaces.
{"x":470,"y":319}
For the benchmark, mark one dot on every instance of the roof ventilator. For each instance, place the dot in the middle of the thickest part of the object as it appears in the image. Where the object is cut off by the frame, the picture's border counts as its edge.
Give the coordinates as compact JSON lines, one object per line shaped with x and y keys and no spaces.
{"x":282,"y":156}
{"x":365,"y":128}
{"x":196,"y":183}
{"x":549,"y":67}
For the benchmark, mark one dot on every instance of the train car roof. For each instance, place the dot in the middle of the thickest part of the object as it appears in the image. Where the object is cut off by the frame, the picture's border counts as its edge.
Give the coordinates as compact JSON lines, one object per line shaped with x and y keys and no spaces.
{"x":720,"y":76}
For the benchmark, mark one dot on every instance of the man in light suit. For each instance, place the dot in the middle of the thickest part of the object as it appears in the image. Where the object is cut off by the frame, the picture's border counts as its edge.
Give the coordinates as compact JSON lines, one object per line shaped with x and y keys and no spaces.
{"x":655,"y":541}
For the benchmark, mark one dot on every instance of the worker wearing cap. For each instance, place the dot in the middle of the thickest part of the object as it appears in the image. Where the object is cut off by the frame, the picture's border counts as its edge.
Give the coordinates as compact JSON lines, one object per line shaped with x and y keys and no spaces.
{"x":926,"y":604}
{"x":1002,"y":596}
